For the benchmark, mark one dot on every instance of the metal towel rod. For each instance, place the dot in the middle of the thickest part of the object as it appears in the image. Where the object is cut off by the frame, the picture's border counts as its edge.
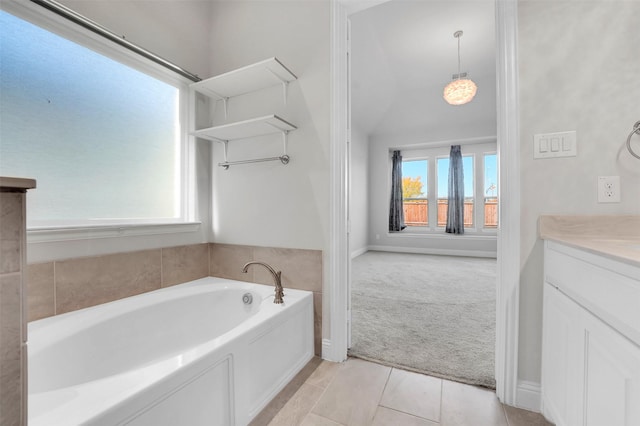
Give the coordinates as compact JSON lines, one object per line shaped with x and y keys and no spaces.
{"x":636,"y":129}
{"x":284,"y":159}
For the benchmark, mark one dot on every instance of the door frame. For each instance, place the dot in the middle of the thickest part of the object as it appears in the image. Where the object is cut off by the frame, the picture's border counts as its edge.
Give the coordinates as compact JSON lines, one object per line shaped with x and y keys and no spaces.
{"x":508,"y":144}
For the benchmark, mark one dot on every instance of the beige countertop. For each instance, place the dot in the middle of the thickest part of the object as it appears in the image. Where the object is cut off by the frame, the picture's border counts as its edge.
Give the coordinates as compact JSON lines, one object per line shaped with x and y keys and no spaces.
{"x":16,"y":183}
{"x":613,"y":236}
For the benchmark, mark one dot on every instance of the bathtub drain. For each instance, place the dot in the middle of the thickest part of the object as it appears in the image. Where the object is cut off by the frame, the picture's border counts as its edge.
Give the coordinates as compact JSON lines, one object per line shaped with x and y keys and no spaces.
{"x":247,"y":298}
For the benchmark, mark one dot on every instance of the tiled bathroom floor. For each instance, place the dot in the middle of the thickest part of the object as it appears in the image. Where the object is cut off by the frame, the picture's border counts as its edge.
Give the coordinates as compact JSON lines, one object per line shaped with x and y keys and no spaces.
{"x":363,"y":393}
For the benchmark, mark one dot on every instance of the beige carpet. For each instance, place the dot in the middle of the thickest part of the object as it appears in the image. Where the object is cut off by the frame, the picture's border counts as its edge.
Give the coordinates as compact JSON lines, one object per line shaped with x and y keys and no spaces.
{"x":426,"y":313}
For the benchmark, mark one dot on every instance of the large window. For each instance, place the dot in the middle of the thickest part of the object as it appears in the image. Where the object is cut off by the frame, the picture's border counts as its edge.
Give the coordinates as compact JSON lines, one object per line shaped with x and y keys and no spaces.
{"x":104,"y":140}
{"x":425,"y":180}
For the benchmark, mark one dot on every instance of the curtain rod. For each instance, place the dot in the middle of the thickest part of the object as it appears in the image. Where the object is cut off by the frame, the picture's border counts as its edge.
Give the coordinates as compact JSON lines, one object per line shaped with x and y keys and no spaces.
{"x":75,"y":17}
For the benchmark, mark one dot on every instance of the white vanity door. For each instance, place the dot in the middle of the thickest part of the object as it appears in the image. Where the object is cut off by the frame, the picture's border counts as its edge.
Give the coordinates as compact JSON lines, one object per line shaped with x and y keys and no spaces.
{"x":562,"y":358}
{"x":612,"y":377}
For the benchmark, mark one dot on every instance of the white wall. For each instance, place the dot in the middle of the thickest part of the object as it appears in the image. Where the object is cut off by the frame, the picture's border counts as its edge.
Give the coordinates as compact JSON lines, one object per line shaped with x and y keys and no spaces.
{"x":359,"y":192}
{"x":177,"y":31}
{"x":579,"y":68}
{"x":270,"y":204}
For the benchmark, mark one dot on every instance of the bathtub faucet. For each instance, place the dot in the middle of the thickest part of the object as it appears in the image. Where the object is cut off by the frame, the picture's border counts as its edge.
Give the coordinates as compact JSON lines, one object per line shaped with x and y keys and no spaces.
{"x":276,"y":278}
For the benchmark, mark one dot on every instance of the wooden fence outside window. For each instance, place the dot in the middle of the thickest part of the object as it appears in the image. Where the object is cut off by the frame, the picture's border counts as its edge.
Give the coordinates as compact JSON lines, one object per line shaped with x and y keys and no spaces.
{"x":416,"y":212}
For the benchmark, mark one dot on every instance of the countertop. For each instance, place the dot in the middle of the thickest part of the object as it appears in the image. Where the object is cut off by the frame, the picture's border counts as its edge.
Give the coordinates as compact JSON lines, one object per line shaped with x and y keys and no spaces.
{"x":613,"y":236}
{"x":17,"y":183}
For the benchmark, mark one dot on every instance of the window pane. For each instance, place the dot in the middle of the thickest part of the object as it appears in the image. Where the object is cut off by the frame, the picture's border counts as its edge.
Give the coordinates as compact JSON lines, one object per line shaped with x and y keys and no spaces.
{"x":491,"y":191}
{"x":443,"y":189}
{"x":414,"y":192}
{"x":102,"y":139}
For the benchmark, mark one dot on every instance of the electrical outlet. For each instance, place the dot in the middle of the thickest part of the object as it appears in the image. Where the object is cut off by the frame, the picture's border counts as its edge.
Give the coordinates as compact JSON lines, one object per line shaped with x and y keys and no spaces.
{"x":608,"y":189}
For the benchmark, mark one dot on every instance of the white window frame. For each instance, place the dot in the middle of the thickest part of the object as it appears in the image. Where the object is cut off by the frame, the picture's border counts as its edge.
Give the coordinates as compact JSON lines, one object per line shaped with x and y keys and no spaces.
{"x":431,"y":153}
{"x":187,"y":220}
{"x":427,"y":188}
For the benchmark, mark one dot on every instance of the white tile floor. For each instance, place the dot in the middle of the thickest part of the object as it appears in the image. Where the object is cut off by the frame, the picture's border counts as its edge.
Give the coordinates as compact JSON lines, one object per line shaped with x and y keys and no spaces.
{"x":363,"y":393}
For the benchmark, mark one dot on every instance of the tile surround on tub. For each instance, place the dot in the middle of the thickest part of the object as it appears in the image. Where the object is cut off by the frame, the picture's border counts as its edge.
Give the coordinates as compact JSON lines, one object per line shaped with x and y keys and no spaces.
{"x":227,"y":260}
{"x":10,"y":232}
{"x":10,"y":349}
{"x":301,"y":269}
{"x":40,"y":291}
{"x":66,"y":285}
{"x":90,"y":281}
{"x":184,"y":263}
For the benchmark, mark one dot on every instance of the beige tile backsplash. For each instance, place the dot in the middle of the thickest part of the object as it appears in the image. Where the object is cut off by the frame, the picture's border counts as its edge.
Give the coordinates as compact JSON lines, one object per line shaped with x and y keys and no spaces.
{"x":90,"y":281}
{"x":11,"y":232}
{"x":301,"y":269}
{"x":184,"y":263}
{"x":68,"y":285}
{"x":40,"y":291}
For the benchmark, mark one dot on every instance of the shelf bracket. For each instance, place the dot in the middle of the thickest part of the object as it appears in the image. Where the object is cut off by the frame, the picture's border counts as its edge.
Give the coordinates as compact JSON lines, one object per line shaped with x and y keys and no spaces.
{"x":285,"y":137}
{"x":225,"y":101}
{"x":285,"y":84}
{"x":226,"y":154}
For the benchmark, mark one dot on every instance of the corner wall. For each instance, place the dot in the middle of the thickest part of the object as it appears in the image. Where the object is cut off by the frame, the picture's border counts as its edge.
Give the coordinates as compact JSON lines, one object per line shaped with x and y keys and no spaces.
{"x":270,"y":204}
{"x":578,"y":65}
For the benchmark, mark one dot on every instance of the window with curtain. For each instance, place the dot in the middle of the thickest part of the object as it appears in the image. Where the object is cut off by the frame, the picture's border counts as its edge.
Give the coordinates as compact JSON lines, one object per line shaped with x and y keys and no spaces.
{"x":104,"y":139}
{"x":431,"y":165}
{"x":443,"y":190}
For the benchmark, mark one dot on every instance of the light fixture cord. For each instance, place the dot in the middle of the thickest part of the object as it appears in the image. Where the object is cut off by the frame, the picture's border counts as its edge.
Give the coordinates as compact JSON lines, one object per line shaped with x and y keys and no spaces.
{"x":458,"y":57}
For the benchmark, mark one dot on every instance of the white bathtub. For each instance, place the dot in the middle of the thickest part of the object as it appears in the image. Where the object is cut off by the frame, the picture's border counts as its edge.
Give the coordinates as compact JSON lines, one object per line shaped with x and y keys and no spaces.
{"x":192,"y":354}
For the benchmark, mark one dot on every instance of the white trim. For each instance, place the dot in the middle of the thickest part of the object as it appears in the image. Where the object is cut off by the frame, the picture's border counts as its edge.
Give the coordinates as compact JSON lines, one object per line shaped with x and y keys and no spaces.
{"x":62,"y":27}
{"x":445,"y":143}
{"x":444,"y":252}
{"x":338,"y":256}
{"x":326,"y":347}
{"x":507,"y":298}
{"x":508,"y":294}
{"x":476,"y":236}
{"x":92,"y":232}
{"x":529,"y":396}
{"x":359,"y":252}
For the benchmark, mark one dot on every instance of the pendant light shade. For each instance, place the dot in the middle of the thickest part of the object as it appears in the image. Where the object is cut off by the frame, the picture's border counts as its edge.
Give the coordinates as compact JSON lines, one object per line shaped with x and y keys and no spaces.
{"x":461,"y":90}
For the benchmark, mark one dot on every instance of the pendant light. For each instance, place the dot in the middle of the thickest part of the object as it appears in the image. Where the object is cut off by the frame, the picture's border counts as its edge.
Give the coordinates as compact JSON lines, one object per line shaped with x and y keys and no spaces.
{"x":461,"y":90}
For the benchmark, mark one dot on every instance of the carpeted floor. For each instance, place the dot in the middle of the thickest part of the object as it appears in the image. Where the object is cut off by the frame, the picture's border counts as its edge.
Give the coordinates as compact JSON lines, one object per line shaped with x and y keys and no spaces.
{"x":427,"y":313}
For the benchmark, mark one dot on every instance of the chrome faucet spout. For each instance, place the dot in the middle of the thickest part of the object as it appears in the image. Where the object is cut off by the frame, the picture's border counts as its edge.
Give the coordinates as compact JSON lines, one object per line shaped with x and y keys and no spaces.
{"x":277,"y":279}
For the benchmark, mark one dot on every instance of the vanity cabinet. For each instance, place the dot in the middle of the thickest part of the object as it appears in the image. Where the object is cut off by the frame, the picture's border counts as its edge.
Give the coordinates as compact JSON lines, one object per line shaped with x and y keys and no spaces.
{"x":590,"y":342}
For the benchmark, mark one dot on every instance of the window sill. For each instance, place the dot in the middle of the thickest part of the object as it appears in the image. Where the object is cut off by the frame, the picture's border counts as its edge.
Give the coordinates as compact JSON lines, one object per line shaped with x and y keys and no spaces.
{"x":414,"y":232}
{"x":71,"y":233}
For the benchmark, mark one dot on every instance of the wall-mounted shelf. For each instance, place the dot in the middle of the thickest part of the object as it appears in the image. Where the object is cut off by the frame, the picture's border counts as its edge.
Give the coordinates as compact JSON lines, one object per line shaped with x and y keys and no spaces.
{"x":260,"y":75}
{"x":260,"y":126}
{"x":251,"y":78}
{"x":246,"y":129}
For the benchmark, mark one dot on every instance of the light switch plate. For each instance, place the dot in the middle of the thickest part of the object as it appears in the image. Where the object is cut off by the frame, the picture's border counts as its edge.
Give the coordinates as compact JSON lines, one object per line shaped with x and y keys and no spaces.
{"x":550,"y":145}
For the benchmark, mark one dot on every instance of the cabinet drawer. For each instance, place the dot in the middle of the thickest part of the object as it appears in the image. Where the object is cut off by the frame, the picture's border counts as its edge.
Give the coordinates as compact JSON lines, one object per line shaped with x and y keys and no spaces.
{"x":612,"y":296}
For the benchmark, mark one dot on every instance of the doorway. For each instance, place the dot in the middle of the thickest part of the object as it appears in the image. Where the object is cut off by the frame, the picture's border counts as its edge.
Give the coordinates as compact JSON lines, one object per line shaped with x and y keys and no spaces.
{"x":401,"y":56}
{"x":335,"y":346}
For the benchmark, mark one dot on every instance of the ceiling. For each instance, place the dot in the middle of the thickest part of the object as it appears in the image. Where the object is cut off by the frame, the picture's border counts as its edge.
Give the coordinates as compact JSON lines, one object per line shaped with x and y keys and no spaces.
{"x":403,"y":53}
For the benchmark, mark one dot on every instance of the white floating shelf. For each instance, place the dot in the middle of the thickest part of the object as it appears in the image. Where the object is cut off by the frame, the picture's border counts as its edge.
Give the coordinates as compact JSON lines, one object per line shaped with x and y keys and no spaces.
{"x":246,"y":129}
{"x":260,"y":75}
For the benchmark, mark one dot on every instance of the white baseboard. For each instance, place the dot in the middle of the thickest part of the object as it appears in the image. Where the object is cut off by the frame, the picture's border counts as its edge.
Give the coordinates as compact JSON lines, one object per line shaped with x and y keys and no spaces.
{"x":420,"y":250}
{"x":528,"y":395}
{"x":360,"y":251}
{"x":326,"y":350}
